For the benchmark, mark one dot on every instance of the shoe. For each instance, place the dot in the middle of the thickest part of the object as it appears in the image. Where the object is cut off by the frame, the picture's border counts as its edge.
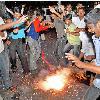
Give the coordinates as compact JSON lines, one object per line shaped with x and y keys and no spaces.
{"x":14,"y":69}
{"x":34,"y":72}
{"x":15,"y":96}
{"x":12,"y":88}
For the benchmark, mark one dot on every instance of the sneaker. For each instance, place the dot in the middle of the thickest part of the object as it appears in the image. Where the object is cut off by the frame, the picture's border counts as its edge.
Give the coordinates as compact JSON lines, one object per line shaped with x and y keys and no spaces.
{"x":14,"y":69}
{"x":34,"y":72}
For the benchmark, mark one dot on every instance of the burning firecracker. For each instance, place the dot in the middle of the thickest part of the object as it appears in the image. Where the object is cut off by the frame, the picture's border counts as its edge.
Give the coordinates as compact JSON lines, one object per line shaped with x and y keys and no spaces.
{"x":58,"y":80}
{"x":55,"y":81}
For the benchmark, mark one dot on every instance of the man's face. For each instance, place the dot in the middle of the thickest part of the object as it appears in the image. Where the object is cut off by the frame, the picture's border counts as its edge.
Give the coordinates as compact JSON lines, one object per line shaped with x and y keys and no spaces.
{"x":94,"y":28}
{"x":81,"y":12}
{"x":69,"y":8}
{"x":9,"y":20}
{"x":67,"y":21}
{"x":91,"y":28}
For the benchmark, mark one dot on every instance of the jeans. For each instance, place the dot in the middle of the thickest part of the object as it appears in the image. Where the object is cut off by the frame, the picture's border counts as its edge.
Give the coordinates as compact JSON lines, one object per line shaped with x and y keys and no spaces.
{"x":60,"y":43}
{"x":19,"y":46}
{"x":75,"y":49}
{"x":35,"y":52}
{"x":92,"y":93}
{"x":4,"y":67}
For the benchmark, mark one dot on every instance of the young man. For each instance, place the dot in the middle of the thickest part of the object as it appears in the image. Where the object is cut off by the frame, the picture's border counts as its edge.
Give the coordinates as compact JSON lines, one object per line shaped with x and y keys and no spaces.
{"x":61,"y":39}
{"x":68,"y":9}
{"x":4,"y":60}
{"x":34,"y":40}
{"x":72,"y":36}
{"x":93,"y":23}
{"x":17,"y":38}
{"x":79,"y":20}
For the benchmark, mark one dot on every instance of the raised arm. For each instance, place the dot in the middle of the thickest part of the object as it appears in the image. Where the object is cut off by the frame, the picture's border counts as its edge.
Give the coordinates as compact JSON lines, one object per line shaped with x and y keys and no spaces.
{"x":56,"y":13}
{"x":9,"y":11}
{"x":88,"y":66}
{"x":9,"y":25}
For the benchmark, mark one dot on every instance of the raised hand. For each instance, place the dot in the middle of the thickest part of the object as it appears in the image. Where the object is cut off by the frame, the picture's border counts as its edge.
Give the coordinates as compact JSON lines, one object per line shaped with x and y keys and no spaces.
{"x":62,"y":7}
{"x":22,"y":19}
{"x":52,"y":9}
{"x":74,"y":59}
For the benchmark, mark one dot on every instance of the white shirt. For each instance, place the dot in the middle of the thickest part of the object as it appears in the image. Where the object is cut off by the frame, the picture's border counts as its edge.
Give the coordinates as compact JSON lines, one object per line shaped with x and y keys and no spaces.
{"x":96,"y":41}
{"x":87,"y":46}
{"x":79,"y":23}
{"x":1,"y":38}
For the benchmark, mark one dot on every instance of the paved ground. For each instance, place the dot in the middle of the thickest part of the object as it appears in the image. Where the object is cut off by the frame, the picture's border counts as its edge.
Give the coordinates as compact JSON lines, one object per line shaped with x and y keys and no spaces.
{"x":26,"y":89}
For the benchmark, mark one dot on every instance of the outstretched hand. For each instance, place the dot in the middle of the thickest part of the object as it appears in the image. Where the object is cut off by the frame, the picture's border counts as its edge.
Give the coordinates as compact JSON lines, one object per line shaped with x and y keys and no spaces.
{"x":22,"y":19}
{"x":74,"y":59}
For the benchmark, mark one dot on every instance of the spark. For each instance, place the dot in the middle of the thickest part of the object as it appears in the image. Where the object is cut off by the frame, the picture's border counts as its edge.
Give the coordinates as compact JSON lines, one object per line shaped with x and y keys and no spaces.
{"x":56,"y":81}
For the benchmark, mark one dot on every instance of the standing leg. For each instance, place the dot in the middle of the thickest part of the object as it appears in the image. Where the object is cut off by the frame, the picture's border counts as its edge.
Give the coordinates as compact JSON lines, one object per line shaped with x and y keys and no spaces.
{"x":4,"y":66}
{"x":12,"y":54}
{"x":76,"y":50}
{"x":67,"y":49}
{"x":61,"y":45}
{"x":22,"y":54}
{"x":33,"y":52}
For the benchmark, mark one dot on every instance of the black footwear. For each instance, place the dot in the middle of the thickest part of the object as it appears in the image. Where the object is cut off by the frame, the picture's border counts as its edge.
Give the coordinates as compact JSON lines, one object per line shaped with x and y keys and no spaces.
{"x":14,"y":69}
{"x":35,"y":72}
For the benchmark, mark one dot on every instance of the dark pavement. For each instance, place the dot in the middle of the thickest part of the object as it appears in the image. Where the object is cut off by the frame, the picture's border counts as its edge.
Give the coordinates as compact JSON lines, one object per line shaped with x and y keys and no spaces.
{"x":26,"y":89}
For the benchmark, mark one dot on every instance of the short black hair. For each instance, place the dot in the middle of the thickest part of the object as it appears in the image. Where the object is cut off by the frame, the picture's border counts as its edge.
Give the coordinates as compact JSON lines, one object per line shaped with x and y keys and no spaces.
{"x":68,"y":16}
{"x":83,"y":8}
{"x":39,"y":13}
{"x":17,"y":9}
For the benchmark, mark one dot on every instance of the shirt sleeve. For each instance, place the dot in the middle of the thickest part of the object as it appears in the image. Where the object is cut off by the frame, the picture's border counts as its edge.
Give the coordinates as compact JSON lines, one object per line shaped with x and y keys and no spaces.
{"x":5,"y":33}
{"x":38,"y":27}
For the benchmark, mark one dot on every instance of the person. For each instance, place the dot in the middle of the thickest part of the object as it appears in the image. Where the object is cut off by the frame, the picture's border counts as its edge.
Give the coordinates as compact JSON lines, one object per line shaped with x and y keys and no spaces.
{"x":93,"y":23}
{"x":68,"y":9}
{"x":79,"y":21}
{"x":72,"y":36}
{"x":4,"y":60}
{"x":61,"y":39}
{"x":17,"y":38}
{"x":33,"y":39}
{"x":87,"y":51}
{"x":79,"y":5}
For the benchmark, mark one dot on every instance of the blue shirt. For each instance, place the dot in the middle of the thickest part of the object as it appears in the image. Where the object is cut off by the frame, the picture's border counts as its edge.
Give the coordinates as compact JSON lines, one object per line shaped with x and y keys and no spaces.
{"x":96,"y":42}
{"x":32,"y":33}
{"x":20,"y":34}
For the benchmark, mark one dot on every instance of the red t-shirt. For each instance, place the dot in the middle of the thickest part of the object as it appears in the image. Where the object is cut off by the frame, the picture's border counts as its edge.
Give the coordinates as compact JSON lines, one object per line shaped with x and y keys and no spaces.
{"x":38,"y":27}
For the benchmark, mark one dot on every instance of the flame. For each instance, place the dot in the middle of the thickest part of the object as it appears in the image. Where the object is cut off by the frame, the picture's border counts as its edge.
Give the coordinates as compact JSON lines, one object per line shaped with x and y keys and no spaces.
{"x":56,"y":81}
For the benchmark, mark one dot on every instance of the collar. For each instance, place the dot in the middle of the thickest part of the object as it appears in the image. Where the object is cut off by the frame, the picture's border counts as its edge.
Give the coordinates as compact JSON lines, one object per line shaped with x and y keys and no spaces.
{"x":95,"y":38}
{"x":81,"y":19}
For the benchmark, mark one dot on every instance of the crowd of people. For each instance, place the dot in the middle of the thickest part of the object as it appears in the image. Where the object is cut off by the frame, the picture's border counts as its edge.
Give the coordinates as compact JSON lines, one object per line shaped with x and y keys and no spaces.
{"x":74,"y":41}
